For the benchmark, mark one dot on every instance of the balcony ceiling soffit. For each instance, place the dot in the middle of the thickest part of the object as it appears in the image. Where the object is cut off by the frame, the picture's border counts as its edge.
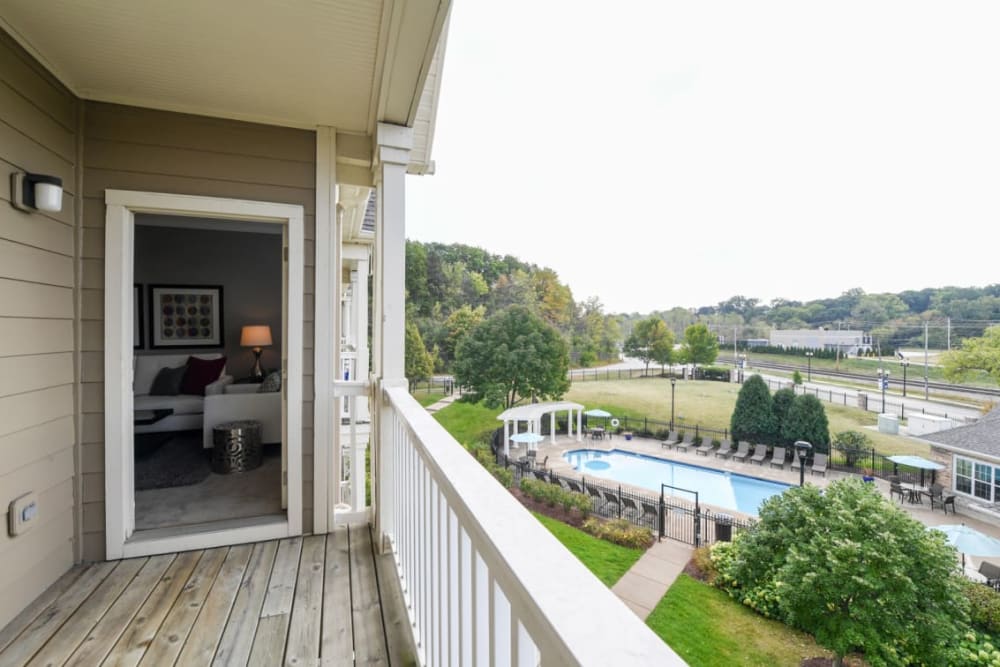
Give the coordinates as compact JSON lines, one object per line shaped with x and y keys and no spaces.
{"x":342,"y":63}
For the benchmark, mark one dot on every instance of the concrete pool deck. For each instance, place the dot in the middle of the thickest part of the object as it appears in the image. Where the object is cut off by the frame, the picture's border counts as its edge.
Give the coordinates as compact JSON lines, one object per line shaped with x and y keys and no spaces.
{"x":646,"y":582}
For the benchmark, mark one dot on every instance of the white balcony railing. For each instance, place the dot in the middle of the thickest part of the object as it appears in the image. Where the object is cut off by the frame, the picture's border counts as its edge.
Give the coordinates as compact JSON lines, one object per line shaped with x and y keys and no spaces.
{"x":484,"y":582}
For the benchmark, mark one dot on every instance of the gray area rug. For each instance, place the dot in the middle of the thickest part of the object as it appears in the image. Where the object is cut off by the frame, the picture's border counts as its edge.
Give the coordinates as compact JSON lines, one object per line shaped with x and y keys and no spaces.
{"x":179,"y":461}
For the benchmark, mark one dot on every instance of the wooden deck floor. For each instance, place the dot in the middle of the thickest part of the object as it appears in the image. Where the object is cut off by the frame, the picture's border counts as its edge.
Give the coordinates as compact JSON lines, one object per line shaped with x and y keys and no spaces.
{"x":313,"y":600}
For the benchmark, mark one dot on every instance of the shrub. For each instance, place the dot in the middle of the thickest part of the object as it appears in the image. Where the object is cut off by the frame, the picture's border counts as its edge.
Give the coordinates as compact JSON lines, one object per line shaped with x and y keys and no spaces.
{"x":680,"y":435}
{"x":553,"y":495}
{"x":485,"y":457}
{"x":984,"y":606}
{"x":619,"y":531}
{"x":752,"y":418}
{"x":976,"y":650}
{"x":796,"y":378}
{"x":702,"y":559}
{"x":696,"y":441}
{"x":716,"y":442}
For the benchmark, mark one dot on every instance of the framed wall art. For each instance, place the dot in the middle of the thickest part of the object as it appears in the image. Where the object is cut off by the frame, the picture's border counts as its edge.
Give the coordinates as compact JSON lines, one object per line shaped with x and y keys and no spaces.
{"x":185,"y":316}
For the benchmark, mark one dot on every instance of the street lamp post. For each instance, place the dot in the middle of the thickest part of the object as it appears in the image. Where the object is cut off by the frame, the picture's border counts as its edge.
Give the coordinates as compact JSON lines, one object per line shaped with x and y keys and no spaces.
{"x":809,"y":370}
{"x":673,"y":384}
{"x":802,"y":449}
{"x":883,"y":380}
{"x":904,"y":363}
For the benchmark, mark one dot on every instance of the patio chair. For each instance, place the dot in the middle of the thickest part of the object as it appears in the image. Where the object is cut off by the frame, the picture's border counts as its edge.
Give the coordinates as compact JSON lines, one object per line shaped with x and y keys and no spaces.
{"x":725,"y":449}
{"x":648,"y":509}
{"x":778,"y":458}
{"x":944,"y":503}
{"x":990,"y":571}
{"x":555,"y":480}
{"x":796,"y":461}
{"x":759,"y":454}
{"x":896,"y":490}
{"x":595,"y":494}
{"x":742,"y":452}
{"x":935,"y":491}
{"x":573,"y":486}
{"x":819,"y":464}
{"x":540,"y":474}
{"x":705,"y":449}
{"x":683,"y":445}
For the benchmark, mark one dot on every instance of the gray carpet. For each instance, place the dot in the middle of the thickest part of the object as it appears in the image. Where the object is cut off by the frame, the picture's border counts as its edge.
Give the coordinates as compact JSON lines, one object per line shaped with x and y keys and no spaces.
{"x":180,"y":461}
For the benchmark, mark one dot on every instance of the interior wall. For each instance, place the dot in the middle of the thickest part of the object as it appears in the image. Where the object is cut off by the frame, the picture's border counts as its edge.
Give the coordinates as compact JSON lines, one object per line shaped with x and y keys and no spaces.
{"x":38,"y":279}
{"x":246,"y":264}
{"x":129,"y":148}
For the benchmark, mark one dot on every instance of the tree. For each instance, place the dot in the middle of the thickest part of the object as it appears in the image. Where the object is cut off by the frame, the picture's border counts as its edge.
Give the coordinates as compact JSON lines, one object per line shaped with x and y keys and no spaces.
{"x":511,"y":356}
{"x":419,"y":365}
{"x":781,"y":403}
{"x":753,"y":417}
{"x":806,"y":420}
{"x":700,"y":345}
{"x":458,"y":325}
{"x":976,"y":354}
{"x":849,"y":567}
{"x":648,"y":341}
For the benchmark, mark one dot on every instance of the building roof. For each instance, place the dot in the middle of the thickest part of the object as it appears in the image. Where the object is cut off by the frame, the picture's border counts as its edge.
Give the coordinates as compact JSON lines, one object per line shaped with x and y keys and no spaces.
{"x":982,"y":437}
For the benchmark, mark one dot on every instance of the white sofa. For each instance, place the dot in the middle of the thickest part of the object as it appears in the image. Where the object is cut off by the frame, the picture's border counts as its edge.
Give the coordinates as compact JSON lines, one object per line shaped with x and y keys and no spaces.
{"x":188,"y":409}
{"x":243,"y":401}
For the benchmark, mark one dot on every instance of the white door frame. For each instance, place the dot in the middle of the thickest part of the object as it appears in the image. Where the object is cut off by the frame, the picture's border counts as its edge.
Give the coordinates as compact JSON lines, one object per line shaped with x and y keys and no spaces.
{"x":119,"y":485}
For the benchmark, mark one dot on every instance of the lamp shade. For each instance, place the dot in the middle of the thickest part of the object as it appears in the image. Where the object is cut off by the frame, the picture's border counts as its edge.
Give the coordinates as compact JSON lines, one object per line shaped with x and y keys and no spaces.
{"x":257,"y":335}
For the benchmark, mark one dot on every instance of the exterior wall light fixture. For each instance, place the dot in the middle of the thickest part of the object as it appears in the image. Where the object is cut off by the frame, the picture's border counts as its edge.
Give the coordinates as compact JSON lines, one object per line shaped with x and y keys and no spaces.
{"x":36,"y":192}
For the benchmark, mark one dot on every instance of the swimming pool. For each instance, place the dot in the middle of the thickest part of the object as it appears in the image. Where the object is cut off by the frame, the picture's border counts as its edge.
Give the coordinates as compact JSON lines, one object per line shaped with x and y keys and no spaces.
{"x":715,"y":487}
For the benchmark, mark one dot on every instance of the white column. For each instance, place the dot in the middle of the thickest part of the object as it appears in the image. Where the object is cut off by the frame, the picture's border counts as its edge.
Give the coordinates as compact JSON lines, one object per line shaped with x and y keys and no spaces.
{"x":552,"y":427}
{"x":392,"y":154}
{"x":359,"y":301}
{"x":326,"y":353}
{"x":579,"y":425}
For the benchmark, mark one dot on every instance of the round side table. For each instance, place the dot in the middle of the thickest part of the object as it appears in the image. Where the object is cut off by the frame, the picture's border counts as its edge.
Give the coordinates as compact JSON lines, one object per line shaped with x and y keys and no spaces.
{"x":236,"y":446}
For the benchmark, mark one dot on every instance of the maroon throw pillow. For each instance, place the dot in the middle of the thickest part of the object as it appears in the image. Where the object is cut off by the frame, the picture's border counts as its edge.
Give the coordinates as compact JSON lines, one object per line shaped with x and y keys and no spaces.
{"x":200,"y":373}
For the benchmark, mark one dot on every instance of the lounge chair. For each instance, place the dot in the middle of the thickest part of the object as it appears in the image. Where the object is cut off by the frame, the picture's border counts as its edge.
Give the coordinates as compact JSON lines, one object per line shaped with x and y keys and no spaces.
{"x":759,"y":454}
{"x":629,"y":505}
{"x":670,"y":441}
{"x":725,"y":450}
{"x":648,"y":509}
{"x":685,"y":443}
{"x":573,"y":486}
{"x":742,"y":452}
{"x":990,"y":571}
{"x":540,"y":474}
{"x":612,"y":499}
{"x":705,"y":449}
{"x":796,"y":461}
{"x":778,"y":458}
{"x":595,"y":494}
{"x":819,"y":465}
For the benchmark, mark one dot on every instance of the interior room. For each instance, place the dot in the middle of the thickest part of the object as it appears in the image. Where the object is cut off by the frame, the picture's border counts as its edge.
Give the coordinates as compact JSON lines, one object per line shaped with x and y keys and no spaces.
{"x":207,"y":399}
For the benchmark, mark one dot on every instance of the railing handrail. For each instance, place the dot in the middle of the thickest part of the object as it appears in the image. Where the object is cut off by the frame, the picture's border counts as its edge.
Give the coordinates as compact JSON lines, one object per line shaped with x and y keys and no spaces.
{"x":565,"y":609}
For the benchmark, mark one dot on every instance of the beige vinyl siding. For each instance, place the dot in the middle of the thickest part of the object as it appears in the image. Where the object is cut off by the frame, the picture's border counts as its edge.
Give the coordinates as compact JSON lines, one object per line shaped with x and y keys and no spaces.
{"x":38,"y":120}
{"x":129,"y":148}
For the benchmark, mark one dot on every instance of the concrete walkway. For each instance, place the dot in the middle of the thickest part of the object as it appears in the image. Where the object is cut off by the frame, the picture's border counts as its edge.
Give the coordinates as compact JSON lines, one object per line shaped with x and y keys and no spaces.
{"x":646,"y":582}
{"x":443,"y":403}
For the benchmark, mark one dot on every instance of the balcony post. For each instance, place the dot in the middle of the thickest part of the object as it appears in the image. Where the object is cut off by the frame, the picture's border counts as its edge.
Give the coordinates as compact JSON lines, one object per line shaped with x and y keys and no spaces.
{"x":392,"y":155}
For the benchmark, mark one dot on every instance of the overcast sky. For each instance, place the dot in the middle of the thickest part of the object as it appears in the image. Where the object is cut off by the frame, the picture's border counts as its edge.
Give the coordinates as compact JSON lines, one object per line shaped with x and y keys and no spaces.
{"x":666,"y":153}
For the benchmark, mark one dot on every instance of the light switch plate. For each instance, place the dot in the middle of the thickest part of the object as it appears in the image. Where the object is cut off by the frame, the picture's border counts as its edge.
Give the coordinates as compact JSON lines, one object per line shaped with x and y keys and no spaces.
{"x":22,"y":514}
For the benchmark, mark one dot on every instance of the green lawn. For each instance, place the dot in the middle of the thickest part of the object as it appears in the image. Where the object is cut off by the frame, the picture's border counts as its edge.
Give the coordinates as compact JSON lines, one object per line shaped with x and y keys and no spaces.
{"x":710,"y":404}
{"x":607,"y":561}
{"x":468,"y":422}
{"x":426,"y":398}
{"x":709,"y":629}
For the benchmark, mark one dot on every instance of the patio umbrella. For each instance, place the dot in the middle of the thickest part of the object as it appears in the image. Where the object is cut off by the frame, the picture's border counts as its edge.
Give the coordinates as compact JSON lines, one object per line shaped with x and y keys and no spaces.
{"x":970,"y":541}
{"x":601,"y":414}
{"x":917,"y":462}
{"x":527,"y":438}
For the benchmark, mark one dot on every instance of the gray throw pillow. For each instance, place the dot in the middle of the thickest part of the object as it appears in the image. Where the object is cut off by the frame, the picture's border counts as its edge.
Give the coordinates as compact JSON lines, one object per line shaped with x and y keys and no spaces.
{"x":271,"y":383}
{"x":168,"y":381}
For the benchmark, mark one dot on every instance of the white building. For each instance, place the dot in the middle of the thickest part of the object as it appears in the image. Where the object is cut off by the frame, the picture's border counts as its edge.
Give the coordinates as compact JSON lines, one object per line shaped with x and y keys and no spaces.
{"x":849,"y":341}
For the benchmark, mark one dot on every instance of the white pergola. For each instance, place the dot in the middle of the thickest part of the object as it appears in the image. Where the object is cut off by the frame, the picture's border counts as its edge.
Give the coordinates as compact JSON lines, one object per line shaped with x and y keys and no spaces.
{"x":532,"y":415}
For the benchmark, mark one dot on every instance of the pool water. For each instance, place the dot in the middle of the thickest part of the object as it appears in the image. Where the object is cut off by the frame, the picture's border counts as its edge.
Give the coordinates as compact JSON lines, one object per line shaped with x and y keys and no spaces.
{"x":715,"y":487}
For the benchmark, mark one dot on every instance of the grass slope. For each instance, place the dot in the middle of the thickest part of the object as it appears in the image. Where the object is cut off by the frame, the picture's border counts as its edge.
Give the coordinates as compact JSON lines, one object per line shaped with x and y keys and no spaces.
{"x":426,"y":398}
{"x":607,"y":561}
{"x":468,"y":423}
{"x":708,"y":629}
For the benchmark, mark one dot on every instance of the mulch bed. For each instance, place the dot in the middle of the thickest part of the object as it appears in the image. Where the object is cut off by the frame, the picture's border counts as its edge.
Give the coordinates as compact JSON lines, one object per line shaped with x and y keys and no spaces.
{"x":574,"y":519}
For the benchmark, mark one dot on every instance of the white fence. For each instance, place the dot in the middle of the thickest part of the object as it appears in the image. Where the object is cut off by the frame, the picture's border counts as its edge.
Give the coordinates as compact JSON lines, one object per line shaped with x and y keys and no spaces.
{"x":484,"y":582}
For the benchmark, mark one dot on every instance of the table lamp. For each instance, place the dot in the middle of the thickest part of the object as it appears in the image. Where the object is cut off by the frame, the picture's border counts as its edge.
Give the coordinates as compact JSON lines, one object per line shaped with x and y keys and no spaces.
{"x":256,"y":336}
